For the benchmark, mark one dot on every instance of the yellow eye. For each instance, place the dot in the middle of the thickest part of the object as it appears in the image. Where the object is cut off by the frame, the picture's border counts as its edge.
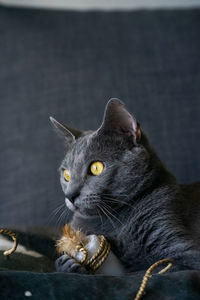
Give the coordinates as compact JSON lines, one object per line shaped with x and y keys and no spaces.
{"x":96,"y":168}
{"x":66,"y":175}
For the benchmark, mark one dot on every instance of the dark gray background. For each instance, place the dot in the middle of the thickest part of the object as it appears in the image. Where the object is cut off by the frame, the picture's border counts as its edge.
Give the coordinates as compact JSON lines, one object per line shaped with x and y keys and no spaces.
{"x":68,"y":64}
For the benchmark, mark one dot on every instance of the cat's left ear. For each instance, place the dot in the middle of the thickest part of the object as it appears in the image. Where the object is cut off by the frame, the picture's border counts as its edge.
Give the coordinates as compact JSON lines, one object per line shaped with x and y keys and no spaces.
{"x":69,"y":133}
{"x":118,"y":119}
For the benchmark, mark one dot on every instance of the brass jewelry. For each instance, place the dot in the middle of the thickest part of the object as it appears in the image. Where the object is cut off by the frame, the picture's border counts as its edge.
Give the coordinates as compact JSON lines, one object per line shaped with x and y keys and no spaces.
{"x":99,"y":257}
{"x":14,"y":237}
{"x":148,"y":274}
{"x":80,"y":248}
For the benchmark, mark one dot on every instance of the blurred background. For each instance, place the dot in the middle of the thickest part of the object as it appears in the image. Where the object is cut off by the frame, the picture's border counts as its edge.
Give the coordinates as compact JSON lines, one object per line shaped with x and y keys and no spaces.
{"x":67,"y":59}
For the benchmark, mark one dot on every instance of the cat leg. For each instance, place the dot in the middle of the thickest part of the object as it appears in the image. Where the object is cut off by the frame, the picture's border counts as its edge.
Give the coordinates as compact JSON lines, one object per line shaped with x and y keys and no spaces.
{"x":67,"y":264}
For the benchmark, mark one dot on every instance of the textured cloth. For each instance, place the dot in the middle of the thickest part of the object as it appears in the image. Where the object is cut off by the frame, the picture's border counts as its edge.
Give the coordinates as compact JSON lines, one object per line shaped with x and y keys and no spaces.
{"x":68,"y":64}
{"x":179,"y":285}
{"x":15,"y":284}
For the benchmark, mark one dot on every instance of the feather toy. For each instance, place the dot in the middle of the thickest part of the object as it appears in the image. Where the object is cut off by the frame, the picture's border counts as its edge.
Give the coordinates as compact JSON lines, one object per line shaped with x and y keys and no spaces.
{"x":92,"y":251}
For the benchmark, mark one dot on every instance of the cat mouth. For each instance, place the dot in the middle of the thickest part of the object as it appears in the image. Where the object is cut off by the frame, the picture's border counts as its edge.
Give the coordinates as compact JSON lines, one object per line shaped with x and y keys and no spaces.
{"x":87,"y":212}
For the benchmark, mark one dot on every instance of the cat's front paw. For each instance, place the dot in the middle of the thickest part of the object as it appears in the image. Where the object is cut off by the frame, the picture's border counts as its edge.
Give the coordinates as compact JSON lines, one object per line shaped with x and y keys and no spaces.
{"x":67,"y":264}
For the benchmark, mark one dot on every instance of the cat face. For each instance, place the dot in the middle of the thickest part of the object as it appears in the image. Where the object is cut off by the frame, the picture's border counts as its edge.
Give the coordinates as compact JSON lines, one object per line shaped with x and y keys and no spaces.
{"x":103,"y":168}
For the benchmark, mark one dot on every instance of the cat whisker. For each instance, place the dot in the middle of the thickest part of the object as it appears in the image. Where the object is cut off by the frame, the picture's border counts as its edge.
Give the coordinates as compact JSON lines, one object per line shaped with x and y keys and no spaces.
{"x":58,"y":221}
{"x":115,"y":195}
{"x":90,"y":196}
{"x":111,"y":214}
{"x":109,"y":207}
{"x":100,"y":216}
{"x":109,"y":218}
{"x":112,"y":200}
{"x":104,"y":194}
{"x":90,"y":200}
{"x":61,"y":217}
{"x":95,"y":197}
{"x":55,"y":212}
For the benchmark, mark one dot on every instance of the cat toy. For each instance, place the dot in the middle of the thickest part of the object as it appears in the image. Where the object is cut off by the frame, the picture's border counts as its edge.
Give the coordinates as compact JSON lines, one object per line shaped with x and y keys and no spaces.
{"x":94,"y":253}
{"x":91,"y":251}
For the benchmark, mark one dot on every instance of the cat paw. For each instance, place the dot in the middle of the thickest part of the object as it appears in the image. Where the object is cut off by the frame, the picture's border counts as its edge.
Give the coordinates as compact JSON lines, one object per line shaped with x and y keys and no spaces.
{"x":67,"y":264}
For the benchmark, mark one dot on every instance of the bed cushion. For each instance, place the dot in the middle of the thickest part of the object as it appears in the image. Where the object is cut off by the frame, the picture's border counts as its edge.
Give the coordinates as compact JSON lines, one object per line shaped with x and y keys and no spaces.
{"x":21,"y":276}
{"x":15,"y":285}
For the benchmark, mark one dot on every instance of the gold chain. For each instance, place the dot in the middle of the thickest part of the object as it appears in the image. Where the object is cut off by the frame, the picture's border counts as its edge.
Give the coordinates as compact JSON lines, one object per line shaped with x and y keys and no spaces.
{"x":147,"y":275}
{"x":14,"y":237}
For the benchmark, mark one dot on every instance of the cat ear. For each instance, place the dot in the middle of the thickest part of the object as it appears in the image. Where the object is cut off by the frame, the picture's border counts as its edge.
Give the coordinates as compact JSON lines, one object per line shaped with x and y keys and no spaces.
{"x":69,"y":133}
{"x":118,"y":119}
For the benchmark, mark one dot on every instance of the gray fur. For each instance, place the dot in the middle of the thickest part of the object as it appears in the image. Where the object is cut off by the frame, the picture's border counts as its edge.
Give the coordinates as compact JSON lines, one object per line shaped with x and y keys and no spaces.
{"x":136,"y":203}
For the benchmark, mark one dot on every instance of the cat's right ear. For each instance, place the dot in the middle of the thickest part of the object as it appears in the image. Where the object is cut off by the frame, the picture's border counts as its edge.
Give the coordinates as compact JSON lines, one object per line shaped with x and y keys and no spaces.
{"x":62,"y":130}
{"x":118,"y":119}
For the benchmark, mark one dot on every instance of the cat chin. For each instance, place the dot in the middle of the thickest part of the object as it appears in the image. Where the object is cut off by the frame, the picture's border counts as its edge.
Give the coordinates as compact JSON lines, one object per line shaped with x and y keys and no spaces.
{"x":86,"y":213}
{"x":83,"y":214}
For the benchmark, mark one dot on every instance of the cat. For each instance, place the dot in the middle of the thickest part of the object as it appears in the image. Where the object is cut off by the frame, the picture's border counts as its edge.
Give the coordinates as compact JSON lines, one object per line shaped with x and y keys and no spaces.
{"x":133,"y":200}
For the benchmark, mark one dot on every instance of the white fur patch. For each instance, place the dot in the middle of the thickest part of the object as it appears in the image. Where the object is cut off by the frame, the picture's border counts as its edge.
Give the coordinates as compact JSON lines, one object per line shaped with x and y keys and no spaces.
{"x":69,"y":204}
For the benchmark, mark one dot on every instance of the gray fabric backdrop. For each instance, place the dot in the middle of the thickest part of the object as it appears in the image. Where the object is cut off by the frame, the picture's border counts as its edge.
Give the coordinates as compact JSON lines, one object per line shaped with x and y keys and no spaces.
{"x":68,"y":64}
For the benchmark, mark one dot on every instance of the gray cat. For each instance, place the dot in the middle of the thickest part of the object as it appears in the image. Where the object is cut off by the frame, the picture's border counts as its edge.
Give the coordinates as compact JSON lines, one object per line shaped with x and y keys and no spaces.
{"x":132,"y":199}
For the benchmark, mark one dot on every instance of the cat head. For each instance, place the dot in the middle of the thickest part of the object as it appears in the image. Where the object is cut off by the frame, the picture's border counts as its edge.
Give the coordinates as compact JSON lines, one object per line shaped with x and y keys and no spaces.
{"x":106,"y":167}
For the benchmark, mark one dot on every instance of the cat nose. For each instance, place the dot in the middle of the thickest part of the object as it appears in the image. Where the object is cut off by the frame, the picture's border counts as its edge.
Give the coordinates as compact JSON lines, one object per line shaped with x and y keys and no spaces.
{"x":73,"y":197}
